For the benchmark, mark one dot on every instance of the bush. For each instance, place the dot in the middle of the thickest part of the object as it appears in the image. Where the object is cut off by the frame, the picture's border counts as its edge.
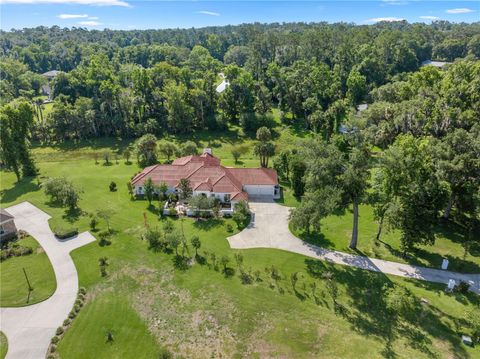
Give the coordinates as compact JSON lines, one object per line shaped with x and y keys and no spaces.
{"x":59,"y":331}
{"x":93,"y":223}
{"x":172,"y":212}
{"x":112,"y":186}
{"x":53,"y":348}
{"x":72,"y":315}
{"x":229,"y":228}
{"x":81,"y":297}
{"x":165,"y":354}
{"x":462,"y":287}
{"x":78,"y":302}
{"x":54,"y":340}
{"x":66,"y":322}
{"x":82,"y":290}
{"x":64,"y":233}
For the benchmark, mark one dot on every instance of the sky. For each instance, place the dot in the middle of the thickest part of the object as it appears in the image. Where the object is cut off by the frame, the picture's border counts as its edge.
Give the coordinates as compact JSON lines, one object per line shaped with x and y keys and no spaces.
{"x":161,"y":14}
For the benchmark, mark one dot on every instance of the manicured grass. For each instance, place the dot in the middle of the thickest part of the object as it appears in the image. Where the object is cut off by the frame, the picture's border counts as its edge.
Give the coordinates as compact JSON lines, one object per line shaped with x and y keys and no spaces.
{"x":13,"y":286}
{"x":108,"y":312}
{"x":201,"y":313}
{"x":3,"y":345}
{"x":288,"y":198}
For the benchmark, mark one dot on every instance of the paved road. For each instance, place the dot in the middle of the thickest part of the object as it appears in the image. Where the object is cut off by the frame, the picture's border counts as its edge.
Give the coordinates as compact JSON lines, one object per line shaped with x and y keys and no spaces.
{"x":29,"y":329}
{"x":270,"y":230}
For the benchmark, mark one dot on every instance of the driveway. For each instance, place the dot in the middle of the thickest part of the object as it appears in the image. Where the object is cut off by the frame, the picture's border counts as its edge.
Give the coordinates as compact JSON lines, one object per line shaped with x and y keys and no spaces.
{"x":29,"y":329}
{"x":269,"y":229}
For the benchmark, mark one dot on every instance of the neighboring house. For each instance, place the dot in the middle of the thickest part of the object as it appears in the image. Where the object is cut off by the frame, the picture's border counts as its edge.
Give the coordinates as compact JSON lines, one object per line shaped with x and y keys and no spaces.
{"x":7,"y":225}
{"x":438,"y":64}
{"x":223,"y":85}
{"x":208,"y":177}
{"x":50,"y":75}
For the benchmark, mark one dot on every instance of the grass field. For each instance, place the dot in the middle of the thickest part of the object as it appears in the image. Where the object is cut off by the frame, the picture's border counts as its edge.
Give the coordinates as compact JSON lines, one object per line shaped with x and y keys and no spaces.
{"x":200,"y":313}
{"x":13,"y":286}
{"x":3,"y":345}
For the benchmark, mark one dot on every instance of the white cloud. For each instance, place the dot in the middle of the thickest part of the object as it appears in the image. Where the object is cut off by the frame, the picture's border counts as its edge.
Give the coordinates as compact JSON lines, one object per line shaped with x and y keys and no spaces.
{"x":93,"y":18}
{"x":394,"y":2}
{"x":428,"y":17}
{"x":461,"y":10}
{"x":211,"y":13}
{"x":71,"y":16}
{"x":78,"y":2}
{"x":89,"y":23}
{"x":387,"y":19}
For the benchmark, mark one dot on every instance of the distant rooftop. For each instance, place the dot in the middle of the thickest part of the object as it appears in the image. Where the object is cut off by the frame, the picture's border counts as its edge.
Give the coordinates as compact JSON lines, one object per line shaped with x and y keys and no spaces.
{"x":435,"y":63}
{"x":362,"y":107}
{"x":51,"y":74}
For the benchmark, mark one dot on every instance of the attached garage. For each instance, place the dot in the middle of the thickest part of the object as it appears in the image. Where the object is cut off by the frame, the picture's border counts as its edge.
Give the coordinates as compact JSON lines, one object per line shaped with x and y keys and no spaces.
{"x":259,"y":190}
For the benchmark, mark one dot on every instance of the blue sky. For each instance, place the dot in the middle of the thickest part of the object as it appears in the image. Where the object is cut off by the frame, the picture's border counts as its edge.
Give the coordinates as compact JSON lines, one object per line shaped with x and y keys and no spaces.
{"x":134,"y":14}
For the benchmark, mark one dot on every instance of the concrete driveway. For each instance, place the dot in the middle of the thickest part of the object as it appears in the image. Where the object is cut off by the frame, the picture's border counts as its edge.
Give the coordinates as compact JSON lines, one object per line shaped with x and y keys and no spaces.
{"x":29,"y":329}
{"x":269,"y":229}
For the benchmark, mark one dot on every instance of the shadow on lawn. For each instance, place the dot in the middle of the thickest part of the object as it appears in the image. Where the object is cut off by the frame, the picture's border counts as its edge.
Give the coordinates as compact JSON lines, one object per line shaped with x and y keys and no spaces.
{"x":25,"y":185}
{"x":208,"y":224}
{"x":369,"y":313}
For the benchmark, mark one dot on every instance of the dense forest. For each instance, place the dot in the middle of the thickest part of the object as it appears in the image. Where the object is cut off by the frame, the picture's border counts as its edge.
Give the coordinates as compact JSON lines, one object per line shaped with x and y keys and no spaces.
{"x":424,"y":119}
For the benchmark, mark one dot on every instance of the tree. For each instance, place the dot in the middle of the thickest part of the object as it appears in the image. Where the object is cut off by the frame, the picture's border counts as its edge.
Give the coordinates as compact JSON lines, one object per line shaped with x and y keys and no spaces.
{"x":238,"y":151}
{"x":298,"y":169}
{"x":168,"y":149}
{"x":185,"y":188}
{"x":224,"y":261}
{"x":127,"y":154}
{"x":146,"y":150}
{"x":189,"y":148}
{"x":355,"y":182}
{"x":63,"y":191}
{"x":16,"y":121}
{"x":357,"y":86}
{"x":264,"y":148}
{"x":162,"y":190}
{"x":411,"y":182}
{"x":106,"y":214}
{"x":174,"y":239}
{"x":149,"y":190}
{"x":196,"y":244}
{"x":241,"y":213}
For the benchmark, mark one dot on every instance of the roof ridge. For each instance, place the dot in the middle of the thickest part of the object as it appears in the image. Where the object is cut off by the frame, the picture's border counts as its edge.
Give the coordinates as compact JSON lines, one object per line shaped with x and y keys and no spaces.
{"x":142,"y":175}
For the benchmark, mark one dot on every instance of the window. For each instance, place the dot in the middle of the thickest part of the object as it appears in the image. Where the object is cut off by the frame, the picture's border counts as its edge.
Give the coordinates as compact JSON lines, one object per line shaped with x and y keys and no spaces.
{"x":226,"y":198}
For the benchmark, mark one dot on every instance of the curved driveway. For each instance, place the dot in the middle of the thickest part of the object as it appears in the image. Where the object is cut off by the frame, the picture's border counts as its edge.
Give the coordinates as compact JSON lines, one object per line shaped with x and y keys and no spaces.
{"x":269,"y":229}
{"x":29,"y":329}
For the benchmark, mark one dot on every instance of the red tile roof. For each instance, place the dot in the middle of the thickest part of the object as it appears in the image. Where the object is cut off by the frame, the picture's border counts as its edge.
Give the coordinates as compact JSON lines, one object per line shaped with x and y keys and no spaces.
{"x":206,"y":174}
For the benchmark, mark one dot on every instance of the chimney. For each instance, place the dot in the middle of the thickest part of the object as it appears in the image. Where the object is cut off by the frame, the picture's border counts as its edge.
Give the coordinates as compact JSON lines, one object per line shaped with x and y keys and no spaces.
{"x":207,"y":150}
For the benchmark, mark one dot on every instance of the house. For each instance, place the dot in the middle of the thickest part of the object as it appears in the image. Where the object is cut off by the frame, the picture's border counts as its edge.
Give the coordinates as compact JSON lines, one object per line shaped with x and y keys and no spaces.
{"x":438,"y":64}
{"x":208,"y":177}
{"x":50,"y":75}
{"x":7,"y":225}
{"x":223,"y":85}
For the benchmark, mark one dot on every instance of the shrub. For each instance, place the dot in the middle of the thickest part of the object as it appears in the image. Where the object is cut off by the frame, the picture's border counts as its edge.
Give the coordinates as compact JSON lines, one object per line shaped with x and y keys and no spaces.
{"x":93,"y":223}
{"x":462,"y":287}
{"x":72,"y":315}
{"x":54,"y":340}
{"x":165,"y":354}
{"x":229,"y":228}
{"x":78,"y":302}
{"x":82,"y":290}
{"x":81,"y":297}
{"x":112,"y":186}
{"x":64,"y":233}
{"x":172,"y":212}
{"x":59,"y":331}
{"x":53,"y":348}
{"x":66,"y":322}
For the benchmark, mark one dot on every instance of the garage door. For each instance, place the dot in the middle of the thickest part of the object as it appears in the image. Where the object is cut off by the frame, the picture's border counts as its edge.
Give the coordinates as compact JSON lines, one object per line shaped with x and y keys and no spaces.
{"x":259,"y":191}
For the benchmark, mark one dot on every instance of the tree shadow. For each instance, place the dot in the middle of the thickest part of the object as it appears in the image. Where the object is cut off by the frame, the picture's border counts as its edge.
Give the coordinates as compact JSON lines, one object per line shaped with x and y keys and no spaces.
{"x":24,"y":186}
{"x":72,"y":215}
{"x":316,"y":238}
{"x":208,"y":224}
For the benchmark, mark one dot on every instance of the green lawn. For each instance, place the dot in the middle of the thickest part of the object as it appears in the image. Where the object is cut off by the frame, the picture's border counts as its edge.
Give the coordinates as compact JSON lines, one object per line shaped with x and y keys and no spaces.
{"x":13,"y":285}
{"x":3,"y":345}
{"x":109,"y":312}
{"x":200,"y":313}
